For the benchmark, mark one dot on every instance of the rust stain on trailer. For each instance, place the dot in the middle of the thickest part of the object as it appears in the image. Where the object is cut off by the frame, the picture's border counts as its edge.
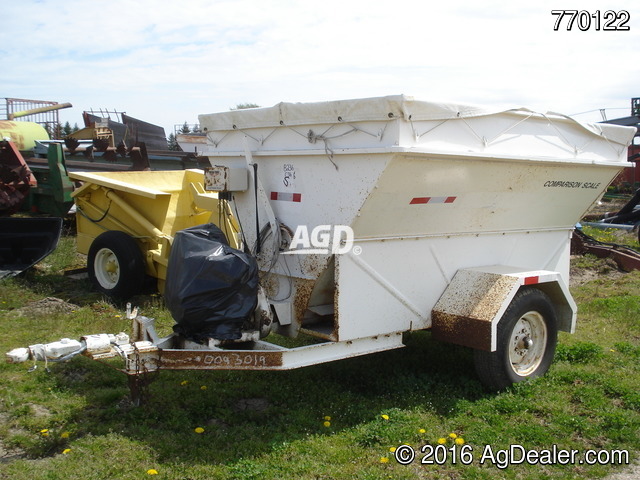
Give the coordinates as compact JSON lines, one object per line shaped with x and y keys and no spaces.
{"x":459,"y":330}
{"x":304,"y":288}
{"x":313,"y":265}
{"x":465,"y":312}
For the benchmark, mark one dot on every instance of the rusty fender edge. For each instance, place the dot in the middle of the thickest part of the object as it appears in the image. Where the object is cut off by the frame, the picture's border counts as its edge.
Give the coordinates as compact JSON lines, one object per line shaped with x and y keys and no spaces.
{"x":468,"y":311}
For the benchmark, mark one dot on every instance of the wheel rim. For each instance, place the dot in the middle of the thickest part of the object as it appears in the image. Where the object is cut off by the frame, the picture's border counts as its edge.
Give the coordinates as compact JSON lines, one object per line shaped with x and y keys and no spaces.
{"x":106,"y":268}
{"x":528,"y":343}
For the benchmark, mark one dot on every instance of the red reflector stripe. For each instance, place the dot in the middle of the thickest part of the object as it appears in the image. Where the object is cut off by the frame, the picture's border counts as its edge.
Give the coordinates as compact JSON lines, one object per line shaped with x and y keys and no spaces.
{"x":423,"y":200}
{"x":286,"y":196}
{"x":531,"y":280}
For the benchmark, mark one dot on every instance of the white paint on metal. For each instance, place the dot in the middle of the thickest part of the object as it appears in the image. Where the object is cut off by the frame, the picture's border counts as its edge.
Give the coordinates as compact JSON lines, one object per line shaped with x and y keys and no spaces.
{"x":527,"y":344}
{"x":327,"y":352}
{"x":387,"y":286}
{"x":421,"y":268}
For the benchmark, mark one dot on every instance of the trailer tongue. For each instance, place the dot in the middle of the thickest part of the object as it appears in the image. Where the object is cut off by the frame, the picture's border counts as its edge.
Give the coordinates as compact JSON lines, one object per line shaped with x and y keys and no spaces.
{"x":373,"y":217}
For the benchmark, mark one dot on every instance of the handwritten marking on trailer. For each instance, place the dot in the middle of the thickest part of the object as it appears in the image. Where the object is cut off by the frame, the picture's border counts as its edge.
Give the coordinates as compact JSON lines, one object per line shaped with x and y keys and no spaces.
{"x":235,"y":360}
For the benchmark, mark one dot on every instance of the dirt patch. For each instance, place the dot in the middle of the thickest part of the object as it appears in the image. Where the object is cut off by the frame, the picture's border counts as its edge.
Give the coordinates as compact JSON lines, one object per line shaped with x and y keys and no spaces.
{"x":8,"y":454}
{"x":39,"y":411}
{"x":252,"y":404}
{"x":46,"y":306}
{"x":597,"y":268}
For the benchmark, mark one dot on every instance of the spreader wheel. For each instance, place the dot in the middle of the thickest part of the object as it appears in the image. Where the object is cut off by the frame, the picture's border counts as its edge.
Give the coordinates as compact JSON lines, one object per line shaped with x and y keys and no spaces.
{"x":527,"y":335}
{"x":115,"y":265}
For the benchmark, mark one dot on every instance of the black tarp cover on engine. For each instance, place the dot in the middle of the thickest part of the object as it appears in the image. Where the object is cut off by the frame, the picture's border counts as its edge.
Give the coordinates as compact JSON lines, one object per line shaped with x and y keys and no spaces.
{"x":211,"y":288}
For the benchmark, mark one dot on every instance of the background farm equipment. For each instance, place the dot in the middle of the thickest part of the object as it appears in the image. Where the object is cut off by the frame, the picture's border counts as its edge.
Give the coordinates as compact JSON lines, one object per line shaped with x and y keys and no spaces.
{"x":26,"y":241}
{"x":126,"y":222}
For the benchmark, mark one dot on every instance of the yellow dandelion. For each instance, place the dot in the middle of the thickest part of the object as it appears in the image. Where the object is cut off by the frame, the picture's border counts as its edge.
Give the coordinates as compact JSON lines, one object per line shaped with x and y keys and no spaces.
{"x":384,"y":459}
{"x":385,"y":416}
{"x":152,"y":471}
{"x":327,"y":418}
{"x":459,"y":441}
{"x":184,"y":382}
{"x":392,"y":449}
{"x":203,"y":387}
{"x":66,"y":450}
{"x":64,"y":435}
{"x":44,"y":432}
{"x":118,"y":316}
{"x":442,"y":441}
{"x":199,"y":430}
{"x":326,"y":423}
{"x":422,"y":430}
{"x":453,"y":435}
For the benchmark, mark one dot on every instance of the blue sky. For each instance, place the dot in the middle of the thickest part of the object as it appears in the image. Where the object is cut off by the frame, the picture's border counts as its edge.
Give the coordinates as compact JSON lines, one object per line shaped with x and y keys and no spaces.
{"x":166,"y":62}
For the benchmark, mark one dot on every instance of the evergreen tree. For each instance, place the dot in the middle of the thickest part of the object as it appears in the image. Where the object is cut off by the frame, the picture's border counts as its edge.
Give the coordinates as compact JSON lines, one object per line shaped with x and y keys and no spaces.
{"x":56,"y":132}
{"x":66,"y":130}
{"x":185,"y":128}
{"x":172,"y":144}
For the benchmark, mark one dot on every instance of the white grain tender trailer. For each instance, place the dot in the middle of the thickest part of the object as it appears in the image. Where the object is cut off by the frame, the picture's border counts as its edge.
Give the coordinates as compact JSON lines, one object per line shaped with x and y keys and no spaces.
{"x":373,"y":217}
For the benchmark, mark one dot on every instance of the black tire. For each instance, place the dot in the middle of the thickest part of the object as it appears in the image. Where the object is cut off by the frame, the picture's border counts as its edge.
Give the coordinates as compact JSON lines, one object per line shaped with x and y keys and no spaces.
{"x":116,"y":265}
{"x":527,"y":336}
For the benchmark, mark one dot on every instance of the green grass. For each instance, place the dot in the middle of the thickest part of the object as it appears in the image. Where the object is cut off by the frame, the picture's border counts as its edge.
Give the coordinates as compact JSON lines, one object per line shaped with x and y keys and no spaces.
{"x":270,"y":425}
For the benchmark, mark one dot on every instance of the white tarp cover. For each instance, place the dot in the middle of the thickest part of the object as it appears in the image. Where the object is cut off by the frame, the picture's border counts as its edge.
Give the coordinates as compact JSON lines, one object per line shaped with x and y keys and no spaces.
{"x":382,"y":109}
